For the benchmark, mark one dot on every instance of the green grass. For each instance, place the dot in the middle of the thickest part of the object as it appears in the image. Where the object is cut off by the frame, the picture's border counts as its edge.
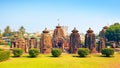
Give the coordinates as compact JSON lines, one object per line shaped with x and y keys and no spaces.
{"x":64,"y":61}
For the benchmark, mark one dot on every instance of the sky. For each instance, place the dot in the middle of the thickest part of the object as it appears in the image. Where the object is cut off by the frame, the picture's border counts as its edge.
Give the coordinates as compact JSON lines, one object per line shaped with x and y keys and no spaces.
{"x":35,"y":15}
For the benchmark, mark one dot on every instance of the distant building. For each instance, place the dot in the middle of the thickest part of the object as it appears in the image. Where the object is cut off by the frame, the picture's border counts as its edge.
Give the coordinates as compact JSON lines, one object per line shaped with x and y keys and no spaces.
{"x":82,"y":38}
{"x":51,"y":32}
{"x":65,"y":29}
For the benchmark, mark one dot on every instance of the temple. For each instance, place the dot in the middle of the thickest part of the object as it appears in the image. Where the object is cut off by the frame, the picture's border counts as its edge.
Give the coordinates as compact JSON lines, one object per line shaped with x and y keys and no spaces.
{"x":46,"y":43}
{"x":90,"y":41}
{"x":102,"y":38}
{"x":58,"y":38}
{"x":74,"y":41}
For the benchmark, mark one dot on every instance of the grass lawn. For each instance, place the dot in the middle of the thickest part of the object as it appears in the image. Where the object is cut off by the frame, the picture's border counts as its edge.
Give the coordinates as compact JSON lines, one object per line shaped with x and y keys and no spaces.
{"x":64,"y":61}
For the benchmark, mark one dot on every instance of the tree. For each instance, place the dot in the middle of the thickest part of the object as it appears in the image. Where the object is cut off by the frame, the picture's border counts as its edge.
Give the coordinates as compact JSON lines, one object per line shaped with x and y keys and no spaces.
{"x":7,"y":32}
{"x":22,"y":30}
{"x":0,"y":34}
{"x":113,"y":33}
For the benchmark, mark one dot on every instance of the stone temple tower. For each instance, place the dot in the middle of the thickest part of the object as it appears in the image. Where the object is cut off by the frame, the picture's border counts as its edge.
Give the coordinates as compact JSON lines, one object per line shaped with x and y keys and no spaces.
{"x":90,"y":41}
{"x":45,"y":42}
{"x":102,"y":38}
{"x":58,"y":37}
{"x":74,"y":41}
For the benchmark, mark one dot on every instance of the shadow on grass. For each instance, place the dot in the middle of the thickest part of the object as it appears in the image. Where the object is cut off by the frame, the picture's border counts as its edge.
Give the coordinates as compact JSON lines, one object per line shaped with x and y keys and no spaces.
{"x":30,"y":57}
{"x":27,"y":56}
{"x":106,"y":56}
{"x":53,"y":56}
{"x":81,"y":57}
{"x":22,"y":56}
{"x":16,"y":56}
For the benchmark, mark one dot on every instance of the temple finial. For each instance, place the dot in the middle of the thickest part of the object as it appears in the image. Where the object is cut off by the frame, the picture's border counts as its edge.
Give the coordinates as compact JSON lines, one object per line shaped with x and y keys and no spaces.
{"x":58,"y":24}
{"x":89,"y":28}
{"x":74,"y":28}
{"x":45,"y":28}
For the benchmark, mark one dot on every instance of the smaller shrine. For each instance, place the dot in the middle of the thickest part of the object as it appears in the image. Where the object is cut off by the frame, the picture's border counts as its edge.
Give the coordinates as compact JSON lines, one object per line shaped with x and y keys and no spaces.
{"x":74,"y":41}
{"x":18,"y":43}
{"x":58,"y":38}
{"x":46,"y":44}
{"x":90,"y":41}
{"x":102,"y":39}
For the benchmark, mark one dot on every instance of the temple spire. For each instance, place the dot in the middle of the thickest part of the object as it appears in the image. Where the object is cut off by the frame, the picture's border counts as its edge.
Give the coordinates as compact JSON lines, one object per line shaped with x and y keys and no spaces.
{"x":74,"y":30}
{"x":89,"y":30}
{"x":45,"y":31}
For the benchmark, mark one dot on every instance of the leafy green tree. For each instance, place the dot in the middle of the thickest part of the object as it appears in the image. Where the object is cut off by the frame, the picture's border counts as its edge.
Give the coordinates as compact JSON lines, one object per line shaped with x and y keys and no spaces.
{"x":113,"y":33}
{"x":7,"y":32}
{"x":0,"y":34}
{"x":22,"y":30}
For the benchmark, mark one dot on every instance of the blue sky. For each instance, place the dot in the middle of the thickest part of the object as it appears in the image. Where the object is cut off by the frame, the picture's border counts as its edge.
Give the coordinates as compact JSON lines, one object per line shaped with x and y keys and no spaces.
{"x":35,"y":15}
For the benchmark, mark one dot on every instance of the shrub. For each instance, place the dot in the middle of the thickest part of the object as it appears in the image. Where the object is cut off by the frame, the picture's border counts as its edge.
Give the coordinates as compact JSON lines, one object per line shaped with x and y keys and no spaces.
{"x":17,"y":52}
{"x":56,"y":52}
{"x":34,"y":52}
{"x":83,"y":52}
{"x":4,"y":55}
{"x":107,"y":52}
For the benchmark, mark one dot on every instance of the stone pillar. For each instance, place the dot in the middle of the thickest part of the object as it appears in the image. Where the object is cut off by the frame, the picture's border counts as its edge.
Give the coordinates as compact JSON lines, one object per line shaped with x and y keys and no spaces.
{"x":58,"y":38}
{"x":74,"y":41}
{"x":102,"y":39}
{"x":45,"y":42}
{"x":90,"y":41}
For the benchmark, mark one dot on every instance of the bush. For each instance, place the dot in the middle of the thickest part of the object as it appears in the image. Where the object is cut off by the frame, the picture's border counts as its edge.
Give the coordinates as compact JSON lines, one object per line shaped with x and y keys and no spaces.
{"x":4,"y":55}
{"x":56,"y":52}
{"x":17,"y":52}
{"x":107,"y":52}
{"x":83,"y":52}
{"x":34,"y":52}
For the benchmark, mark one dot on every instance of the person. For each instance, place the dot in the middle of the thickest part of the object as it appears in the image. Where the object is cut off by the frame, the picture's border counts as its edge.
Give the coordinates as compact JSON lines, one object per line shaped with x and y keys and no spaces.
{"x":114,"y":45}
